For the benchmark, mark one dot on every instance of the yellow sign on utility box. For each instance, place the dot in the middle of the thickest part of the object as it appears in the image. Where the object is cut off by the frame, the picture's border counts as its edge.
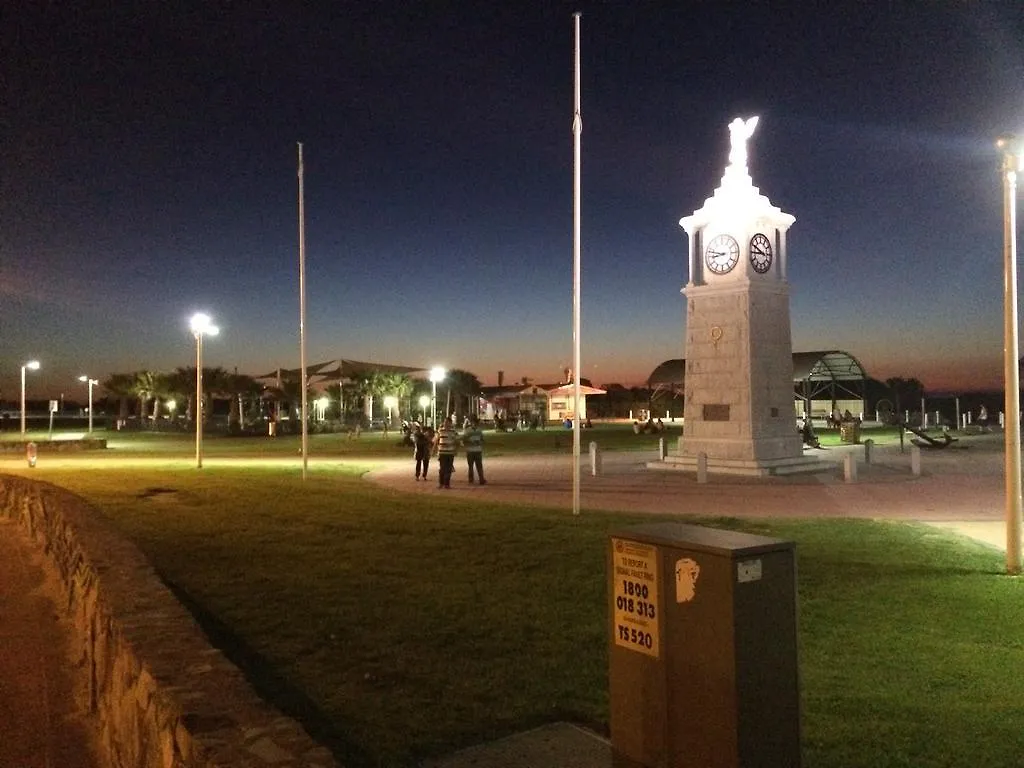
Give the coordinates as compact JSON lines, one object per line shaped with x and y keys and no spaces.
{"x":635,"y":595}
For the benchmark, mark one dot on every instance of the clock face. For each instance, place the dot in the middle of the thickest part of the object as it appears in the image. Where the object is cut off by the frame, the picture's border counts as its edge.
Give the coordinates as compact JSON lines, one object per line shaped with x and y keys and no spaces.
{"x":760,"y":253}
{"x":722,"y":254}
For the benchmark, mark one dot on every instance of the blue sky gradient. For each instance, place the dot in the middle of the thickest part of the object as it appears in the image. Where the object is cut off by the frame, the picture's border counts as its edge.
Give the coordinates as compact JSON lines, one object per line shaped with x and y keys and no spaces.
{"x":150,"y":171}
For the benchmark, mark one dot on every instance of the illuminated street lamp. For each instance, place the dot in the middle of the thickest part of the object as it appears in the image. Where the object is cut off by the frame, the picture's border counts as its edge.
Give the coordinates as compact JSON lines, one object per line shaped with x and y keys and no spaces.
{"x":321,"y":404}
{"x":424,"y":402}
{"x":90,"y":382}
{"x":436,"y":374}
{"x":390,"y":402}
{"x":201,"y":326}
{"x":30,"y":366}
{"x":1008,"y":145}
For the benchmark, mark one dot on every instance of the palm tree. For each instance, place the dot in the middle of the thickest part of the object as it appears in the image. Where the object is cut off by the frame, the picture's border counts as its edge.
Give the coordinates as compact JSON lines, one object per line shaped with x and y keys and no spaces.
{"x":143,"y":387}
{"x":239,"y":387}
{"x":906,"y":389}
{"x":121,"y":386}
{"x":181,"y":385}
{"x":216,"y":381}
{"x":461,"y":386}
{"x":398,"y":385}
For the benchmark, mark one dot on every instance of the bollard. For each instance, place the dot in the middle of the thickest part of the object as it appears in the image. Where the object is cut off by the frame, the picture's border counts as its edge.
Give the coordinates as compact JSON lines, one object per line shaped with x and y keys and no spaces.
{"x":850,"y":468}
{"x":915,"y":460}
{"x":1002,"y":420}
{"x":662,"y":449}
{"x":702,"y":467}
{"x":868,"y":445}
{"x":595,"y":459}
{"x":31,"y":453}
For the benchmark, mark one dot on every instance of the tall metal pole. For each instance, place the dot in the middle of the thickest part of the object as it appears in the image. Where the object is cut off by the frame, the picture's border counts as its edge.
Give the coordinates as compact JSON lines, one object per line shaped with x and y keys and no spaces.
{"x":199,"y":399}
{"x":23,"y":401}
{"x":577,"y":129}
{"x":90,"y":407}
{"x":1011,"y":356}
{"x":302,"y":317}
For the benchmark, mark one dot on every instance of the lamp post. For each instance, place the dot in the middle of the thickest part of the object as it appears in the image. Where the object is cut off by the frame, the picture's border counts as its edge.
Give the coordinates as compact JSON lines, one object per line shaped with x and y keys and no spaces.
{"x":390,"y":402}
{"x":32,"y":365}
{"x":424,"y":402}
{"x":90,"y":382}
{"x":1007,"y":144}
{"x":436,"y":375}
{"x":201,"y":326}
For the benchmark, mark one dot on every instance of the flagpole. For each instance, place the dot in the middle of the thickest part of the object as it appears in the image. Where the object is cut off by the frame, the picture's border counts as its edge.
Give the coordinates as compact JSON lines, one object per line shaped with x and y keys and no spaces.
{"x":577,"y":129}
{"x":302,"y":317}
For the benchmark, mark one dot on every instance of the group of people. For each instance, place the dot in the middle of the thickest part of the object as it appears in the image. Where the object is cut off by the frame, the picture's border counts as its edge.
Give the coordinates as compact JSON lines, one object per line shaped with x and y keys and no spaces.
{"x":445,"y":445}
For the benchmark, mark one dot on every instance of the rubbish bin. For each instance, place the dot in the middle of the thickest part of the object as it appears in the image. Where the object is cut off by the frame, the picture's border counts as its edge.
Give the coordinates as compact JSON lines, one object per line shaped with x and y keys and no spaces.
{"x":849,"y":432}
{"x":702,"y":649}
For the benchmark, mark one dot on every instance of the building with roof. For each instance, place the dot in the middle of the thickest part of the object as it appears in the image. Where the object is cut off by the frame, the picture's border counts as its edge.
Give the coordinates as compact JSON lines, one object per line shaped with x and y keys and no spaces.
{"x":823,"y":381}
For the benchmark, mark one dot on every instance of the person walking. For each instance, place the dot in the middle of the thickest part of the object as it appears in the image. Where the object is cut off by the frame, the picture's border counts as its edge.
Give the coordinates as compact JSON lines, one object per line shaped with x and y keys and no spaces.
{"x":446,"y":444}
{"x":473,"y":440}
{"x":421,"y":451}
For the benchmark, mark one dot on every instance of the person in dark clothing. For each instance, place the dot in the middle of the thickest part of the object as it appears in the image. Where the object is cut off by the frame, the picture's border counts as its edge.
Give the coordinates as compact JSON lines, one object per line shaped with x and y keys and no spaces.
{"x":421,"y":451}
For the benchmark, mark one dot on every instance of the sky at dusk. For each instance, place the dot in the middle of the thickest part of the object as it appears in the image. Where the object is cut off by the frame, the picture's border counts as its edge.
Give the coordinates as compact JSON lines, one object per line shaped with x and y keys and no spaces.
{"x":148,"y":170}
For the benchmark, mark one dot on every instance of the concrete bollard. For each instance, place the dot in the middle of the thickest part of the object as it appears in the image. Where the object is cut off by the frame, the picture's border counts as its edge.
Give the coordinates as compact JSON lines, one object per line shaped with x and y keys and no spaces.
{"x":662,"y":449}
{"x":850,"y":468}
{"x":1002,"y":420}
{"x":869,"y":444}
{"x":31,"y":454}
{"x":702,"y":467}
{"x":595,"y":459}
{"x":915,"y":460}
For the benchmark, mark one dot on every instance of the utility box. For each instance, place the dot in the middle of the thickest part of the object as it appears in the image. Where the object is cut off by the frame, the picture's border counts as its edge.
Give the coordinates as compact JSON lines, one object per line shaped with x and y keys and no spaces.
{"x":703,"y":666}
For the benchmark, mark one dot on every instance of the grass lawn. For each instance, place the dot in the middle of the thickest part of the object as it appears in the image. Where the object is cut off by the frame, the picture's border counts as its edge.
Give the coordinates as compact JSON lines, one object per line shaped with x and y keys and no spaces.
{"x":611,"y":437}
{"x":398,"y":627}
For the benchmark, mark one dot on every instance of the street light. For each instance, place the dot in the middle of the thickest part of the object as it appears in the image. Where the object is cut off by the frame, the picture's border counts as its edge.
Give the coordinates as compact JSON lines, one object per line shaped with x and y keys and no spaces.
{"x":321,"y":404}
{"x":201,"y":326}
{"x":424,"y":402}
{"x":390,"y":401}
{"x":30,"y":366}
{"x":1007,"y":144}
{"x":90,"y":382}
{"x":436,"y":374}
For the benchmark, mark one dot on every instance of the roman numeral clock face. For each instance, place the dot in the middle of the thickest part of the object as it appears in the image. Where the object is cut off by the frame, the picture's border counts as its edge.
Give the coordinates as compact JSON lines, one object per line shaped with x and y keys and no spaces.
{"x":722,"y":254}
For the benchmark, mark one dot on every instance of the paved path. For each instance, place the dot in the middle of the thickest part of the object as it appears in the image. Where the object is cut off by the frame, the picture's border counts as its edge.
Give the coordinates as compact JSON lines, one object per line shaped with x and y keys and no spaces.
{"x":40,"y":726}
{"x":960,"y":487}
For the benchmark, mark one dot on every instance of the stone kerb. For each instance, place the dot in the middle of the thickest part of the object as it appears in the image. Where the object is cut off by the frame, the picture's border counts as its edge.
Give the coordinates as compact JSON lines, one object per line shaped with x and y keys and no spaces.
{"x":55,"y":446}
{"x":159,"y":693}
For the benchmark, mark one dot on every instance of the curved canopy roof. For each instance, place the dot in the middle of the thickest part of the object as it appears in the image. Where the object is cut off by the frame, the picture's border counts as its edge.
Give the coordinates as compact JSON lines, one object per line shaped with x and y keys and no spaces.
{"x":827,"y":365}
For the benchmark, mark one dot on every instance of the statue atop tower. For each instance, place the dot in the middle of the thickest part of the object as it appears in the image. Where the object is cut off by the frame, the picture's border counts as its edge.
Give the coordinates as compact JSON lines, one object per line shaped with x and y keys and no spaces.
{"x":739,"y":132}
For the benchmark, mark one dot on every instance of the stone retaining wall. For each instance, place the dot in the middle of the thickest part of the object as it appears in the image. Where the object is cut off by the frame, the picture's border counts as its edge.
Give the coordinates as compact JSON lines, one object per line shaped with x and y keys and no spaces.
{"x":161,"y":695}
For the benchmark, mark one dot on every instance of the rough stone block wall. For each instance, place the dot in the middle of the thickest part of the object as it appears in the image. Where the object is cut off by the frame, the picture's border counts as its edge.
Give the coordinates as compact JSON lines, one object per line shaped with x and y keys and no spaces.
{"x":160,"y":694}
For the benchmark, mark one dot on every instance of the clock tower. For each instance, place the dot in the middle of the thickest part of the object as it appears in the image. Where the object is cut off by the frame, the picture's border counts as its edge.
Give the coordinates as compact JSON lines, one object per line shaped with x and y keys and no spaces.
{"x":740,"y":407}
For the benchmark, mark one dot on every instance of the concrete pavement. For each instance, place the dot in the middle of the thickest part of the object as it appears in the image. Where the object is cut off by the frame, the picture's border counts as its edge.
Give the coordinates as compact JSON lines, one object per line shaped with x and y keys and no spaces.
{"x":960,"y":488}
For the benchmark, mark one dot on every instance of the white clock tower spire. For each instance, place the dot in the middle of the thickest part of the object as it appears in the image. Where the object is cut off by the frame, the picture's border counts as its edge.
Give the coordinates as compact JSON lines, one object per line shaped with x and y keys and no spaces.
{"x":740,"y":407}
